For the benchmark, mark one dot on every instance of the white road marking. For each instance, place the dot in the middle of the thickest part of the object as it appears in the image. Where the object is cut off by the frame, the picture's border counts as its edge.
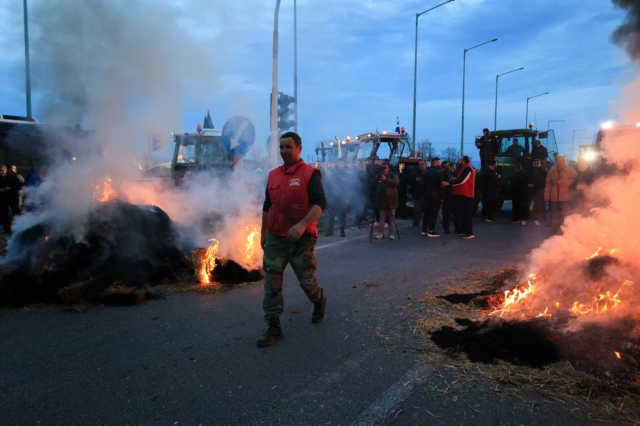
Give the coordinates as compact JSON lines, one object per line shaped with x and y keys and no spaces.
{"x":351,"y":239}
{"x":379,"y":411}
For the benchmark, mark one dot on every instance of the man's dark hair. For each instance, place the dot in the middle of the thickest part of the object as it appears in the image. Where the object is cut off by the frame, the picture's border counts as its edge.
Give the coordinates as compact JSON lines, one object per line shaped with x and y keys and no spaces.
{"x":422,"y":161}
{"x":386,"y":163}
{"x":293,"y":135}
{"x":444,"y":163}
{"x":465,"y":159}
{"x":485,"y":130}
{"x":493,"y":162}
{"x":433,"y":160}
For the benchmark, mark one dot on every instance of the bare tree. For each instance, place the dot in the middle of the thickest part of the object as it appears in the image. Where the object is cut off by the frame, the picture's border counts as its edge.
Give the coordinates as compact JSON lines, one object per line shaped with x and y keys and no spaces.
{"x":450,"y":154}
{"x":425,"y":149}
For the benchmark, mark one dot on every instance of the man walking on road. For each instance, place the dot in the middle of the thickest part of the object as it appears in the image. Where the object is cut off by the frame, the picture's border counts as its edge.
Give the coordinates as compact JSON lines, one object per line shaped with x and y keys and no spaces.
{"x":559,"y":181}
{"x":294,"y":199}
{"x":433,"y":195}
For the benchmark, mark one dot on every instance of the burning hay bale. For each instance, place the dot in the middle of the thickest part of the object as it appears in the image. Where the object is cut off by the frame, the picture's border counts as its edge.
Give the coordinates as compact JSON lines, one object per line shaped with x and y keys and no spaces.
{"x":135,"y":247}
{"x":212,"y":269}
{"x":120,"y":254}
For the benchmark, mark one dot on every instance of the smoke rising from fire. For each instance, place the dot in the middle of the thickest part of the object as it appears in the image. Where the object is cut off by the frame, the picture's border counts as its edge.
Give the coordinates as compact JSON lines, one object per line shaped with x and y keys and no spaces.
{"x":592,"y":271}
{"x":122,"y":70}
{"x":628,"y":34}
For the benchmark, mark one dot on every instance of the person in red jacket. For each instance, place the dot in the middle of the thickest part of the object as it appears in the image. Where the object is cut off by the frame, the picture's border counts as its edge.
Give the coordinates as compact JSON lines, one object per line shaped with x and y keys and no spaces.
{"x":294,"y":199}
{"x":463,"y":195}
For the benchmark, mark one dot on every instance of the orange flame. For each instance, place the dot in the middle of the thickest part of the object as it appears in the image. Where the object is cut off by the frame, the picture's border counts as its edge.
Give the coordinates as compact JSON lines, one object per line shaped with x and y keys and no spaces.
{"x":104,"y":192}
{"x":513,"y":297}
{"x":600,"y":303}
{"x":208,"y":262}
{"x":617,"y":354}
{"x":251,"y":243}
{"x":595,"y":254}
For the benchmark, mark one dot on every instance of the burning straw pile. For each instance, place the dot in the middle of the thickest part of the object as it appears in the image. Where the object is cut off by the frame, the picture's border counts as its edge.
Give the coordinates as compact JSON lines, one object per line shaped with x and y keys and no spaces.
{"x":464,"y":334}
{"x":121,"y":254}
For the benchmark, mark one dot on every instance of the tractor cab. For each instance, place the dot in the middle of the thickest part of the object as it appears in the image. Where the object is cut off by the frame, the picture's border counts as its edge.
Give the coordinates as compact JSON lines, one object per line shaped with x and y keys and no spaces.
{"x":200,"y":150}
{"x":367,"y":147}
{"x":512,"y":152}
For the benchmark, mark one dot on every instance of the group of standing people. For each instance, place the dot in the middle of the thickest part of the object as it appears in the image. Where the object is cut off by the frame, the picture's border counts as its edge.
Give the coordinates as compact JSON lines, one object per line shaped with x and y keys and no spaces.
{"x":535,"y":191}
{"x":444,"y":187}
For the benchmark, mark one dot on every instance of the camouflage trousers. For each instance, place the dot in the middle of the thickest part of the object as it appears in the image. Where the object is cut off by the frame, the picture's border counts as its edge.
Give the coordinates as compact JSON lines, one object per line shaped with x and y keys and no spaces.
{"x":301,"y":254}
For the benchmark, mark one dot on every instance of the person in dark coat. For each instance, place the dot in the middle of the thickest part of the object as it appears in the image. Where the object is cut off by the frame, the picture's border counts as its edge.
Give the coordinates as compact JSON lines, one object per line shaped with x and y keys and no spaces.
{"x":417,"y":192}
{"x":539,"y":152}
{"x":519,"y":192}
{"x":386,"y":183}
{"x":9,"y":187}
{"x":489,"y":183}
{"x":338,"y":199}
{"x":446,"y":200}
{"x":489,"y":147}
{"x":536,"y":181}
{"x":403,"y":192}
{"x":433,"y":194}
{"x":17,"y":202}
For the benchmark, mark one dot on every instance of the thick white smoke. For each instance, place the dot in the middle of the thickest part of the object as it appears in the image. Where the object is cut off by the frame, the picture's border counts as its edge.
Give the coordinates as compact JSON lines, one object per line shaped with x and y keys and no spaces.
{"x":124,"y":69}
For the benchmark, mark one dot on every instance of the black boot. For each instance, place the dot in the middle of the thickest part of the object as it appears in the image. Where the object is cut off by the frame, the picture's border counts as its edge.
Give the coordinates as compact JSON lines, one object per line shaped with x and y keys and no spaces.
{"x":272,"y":335}
{"x":329,"y":233}
{"x":319,"y":310}
{"x":342,"y":234}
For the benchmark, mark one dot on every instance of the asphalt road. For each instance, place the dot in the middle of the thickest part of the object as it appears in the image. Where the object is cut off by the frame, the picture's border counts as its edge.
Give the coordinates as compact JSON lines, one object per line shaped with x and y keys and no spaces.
{"x":191,"y":359}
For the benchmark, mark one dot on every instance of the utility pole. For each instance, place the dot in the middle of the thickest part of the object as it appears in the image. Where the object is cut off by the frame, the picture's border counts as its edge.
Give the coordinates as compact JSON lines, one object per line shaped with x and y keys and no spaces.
{"x":26,"y":58}
{"x":295,"y":63}
{"x":274,"y":92}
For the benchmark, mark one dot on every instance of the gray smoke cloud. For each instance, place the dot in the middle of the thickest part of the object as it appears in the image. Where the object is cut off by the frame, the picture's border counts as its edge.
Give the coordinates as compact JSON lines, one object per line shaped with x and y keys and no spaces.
{"x":627,"y":35}
{"x":105,"y":62}
{"x":123,"y":69}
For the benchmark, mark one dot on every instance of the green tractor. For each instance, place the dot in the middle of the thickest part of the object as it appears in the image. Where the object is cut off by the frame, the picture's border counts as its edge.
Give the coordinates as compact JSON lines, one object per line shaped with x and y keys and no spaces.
{"x":506,"y":161}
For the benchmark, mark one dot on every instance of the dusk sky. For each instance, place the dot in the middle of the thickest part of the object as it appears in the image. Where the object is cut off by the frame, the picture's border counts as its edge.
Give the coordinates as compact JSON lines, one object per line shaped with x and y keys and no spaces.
{"x":355,"y":65}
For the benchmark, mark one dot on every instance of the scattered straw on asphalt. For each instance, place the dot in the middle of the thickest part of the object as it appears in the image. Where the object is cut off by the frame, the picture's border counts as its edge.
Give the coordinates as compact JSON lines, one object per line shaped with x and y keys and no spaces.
{"x":594,"y":399}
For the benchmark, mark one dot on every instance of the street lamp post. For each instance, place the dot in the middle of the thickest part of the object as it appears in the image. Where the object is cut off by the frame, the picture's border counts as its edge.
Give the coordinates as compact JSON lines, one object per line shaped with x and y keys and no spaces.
{"x":573,"y":139}
{"x":464,"y":65}
{"x":527,"y":116}
{"x":553,"y":121}
{"x":295,"y":65}
{"x":415,"y":76}
{"x":274,"y":92}
{"x":495,"y":114}
{"x":26,"y":59}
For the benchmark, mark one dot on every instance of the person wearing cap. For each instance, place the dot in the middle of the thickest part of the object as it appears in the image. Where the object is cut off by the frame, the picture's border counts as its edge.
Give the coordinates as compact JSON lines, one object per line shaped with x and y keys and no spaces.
{"x":489,"y":147}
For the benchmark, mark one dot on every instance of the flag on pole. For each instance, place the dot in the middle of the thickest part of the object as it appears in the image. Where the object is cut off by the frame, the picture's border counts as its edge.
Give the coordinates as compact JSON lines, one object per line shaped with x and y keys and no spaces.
{"x":397,"y":125}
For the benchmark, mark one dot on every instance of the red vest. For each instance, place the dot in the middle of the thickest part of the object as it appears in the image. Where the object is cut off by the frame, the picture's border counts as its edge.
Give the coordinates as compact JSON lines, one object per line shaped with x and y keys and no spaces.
{"x":289,"y":198}
{"x":468,"y":187}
